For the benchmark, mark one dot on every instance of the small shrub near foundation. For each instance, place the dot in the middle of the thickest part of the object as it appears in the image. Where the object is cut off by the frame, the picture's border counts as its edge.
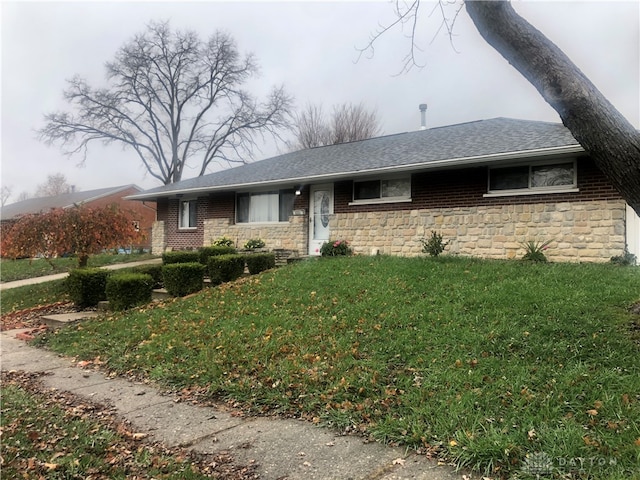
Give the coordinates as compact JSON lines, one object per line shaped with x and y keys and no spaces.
{"x":180,"y":256}
{"x":127,"y":290}
{"x":214,"y":251}
{"x":222,"y":242}
{"x":225,"y":268}
{"x":182,"y":279}
{"x":155,"y":270}
{"x":259,"y":262}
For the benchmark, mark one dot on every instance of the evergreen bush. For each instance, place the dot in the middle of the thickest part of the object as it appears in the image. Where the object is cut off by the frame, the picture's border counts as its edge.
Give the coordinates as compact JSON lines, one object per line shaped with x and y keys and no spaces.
{"x":259,"y":262}
{"x":180,"y":256}
{"x":155,"y":270}
{"x":125,"y":290}
{"x":87,"y":286}
{"x":213,"y":251}
{"x":181,"y":279}
{"x":225,"y":268}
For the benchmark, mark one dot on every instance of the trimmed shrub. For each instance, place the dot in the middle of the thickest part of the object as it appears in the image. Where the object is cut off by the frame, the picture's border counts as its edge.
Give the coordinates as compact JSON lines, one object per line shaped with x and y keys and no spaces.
{"x":126,"y":290}
{"x":87,"y":286}
{"x":181,"y":279}
{"x":225,"y":268}
{"x":259,"y":262}
{"x":180,"y":256}
{"x":214,"y":251}
{"x":155,"y":271}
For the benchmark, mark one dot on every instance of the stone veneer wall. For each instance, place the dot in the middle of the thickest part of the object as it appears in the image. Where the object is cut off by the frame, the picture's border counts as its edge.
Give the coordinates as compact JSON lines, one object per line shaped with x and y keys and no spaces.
{"x":590,"y":231}
{"x":291,"y":236}
{"x":158,"y":241}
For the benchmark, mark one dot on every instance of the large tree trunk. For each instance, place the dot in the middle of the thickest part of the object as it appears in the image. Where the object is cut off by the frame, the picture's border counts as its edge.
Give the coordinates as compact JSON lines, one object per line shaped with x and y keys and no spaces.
{"x":612,"y":142}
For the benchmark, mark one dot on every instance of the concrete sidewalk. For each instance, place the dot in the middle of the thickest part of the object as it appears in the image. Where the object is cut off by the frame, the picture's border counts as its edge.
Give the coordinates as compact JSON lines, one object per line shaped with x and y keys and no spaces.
{"x":282,"y":449}
{"x":58,"y":276}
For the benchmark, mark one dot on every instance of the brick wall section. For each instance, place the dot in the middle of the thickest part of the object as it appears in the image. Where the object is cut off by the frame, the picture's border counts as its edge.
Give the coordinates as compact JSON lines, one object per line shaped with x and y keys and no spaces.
{"x":466,"y":187}
{"x":177,"y":238}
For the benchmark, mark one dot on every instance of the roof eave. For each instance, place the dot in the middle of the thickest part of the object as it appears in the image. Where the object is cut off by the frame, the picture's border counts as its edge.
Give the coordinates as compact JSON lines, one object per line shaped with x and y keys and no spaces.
{"x":437,"y":164}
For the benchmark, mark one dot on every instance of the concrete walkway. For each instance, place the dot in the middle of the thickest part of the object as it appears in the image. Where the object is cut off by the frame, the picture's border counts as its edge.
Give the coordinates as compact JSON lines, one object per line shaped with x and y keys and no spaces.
{"x":58,"y":276}
{"x":281,"y":448}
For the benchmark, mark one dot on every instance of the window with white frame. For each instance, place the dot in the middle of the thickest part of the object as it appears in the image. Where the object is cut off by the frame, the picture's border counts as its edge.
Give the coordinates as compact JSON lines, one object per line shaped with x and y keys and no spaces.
{"x":188,"y":214}
{"x":533,"y":178}
{"x":390,"y":189}
{"x":262,"y":207}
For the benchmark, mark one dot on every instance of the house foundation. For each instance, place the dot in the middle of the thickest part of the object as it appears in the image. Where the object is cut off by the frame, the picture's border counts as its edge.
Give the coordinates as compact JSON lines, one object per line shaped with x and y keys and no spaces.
{"x":579,"y":231}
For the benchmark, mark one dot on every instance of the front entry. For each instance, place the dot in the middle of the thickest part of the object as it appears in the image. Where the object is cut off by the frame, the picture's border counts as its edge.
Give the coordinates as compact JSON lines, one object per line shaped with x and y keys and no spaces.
{"x":320,"y":209}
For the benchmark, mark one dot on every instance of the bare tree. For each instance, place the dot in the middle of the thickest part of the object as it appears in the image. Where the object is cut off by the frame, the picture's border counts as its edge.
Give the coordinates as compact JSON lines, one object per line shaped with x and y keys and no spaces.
{"x":310,"y":128}
{"x":56,"y":184}
{"x":174,"y":100}
{"x":24,"y":195}
{"x":348,"y":123}
{"x":605,"y":134}
{"x":5,"y":194}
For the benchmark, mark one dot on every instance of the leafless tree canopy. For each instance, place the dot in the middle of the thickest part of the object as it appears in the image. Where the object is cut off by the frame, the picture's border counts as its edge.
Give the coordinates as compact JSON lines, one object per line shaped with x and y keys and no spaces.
{"x":176,"y":101}
{"x":5,"y":194}
{"x":609,"y":138}
{"x":348,"y":123}
{"x":56,"y":184}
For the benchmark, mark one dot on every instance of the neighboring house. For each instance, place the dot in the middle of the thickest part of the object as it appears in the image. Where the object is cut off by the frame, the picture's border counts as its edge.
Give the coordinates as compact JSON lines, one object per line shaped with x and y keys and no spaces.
{"x":486,"y":186}
{"x":144,"y":213}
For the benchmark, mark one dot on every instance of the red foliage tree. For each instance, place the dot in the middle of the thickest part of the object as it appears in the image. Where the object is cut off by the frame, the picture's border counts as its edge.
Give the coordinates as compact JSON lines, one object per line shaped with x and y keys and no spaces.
{"x":81,"y":230}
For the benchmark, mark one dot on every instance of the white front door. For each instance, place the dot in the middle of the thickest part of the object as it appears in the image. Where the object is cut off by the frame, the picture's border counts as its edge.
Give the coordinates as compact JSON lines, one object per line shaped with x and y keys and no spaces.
{"x":633,"y":232}
{"x":320,"y":208}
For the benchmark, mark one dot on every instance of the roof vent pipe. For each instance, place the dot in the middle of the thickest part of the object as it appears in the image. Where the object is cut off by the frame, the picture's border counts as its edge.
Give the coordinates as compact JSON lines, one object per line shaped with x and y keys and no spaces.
{"x":423,"y":116}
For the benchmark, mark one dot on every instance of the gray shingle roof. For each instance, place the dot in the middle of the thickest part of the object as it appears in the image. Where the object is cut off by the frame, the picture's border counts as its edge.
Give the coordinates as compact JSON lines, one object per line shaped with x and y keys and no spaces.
{"x":474,"y":142}
{"x":66,"y":200}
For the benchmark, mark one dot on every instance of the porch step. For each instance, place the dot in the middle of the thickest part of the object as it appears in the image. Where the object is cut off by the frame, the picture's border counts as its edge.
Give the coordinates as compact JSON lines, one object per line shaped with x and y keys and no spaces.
{"x":160,"y":294}
{"x":59,"y":320}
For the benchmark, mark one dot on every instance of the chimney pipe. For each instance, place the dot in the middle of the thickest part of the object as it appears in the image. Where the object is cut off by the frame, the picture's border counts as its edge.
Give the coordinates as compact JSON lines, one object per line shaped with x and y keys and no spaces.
{"x":423,"y":116}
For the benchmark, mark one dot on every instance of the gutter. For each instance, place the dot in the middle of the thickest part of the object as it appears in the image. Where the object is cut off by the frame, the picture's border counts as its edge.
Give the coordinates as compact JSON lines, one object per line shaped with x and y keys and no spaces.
{"x":433,"y":165}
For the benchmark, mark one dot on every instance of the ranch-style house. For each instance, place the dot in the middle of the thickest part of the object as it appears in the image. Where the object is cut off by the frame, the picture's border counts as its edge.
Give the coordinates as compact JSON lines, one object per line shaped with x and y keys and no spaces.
{"x":485,"y":186}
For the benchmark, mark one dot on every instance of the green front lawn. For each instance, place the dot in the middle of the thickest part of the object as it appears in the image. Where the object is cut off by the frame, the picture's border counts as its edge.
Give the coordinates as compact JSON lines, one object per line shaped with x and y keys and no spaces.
{"x":11,"y":270}
{"x":29,"y":296}
{"x":494,"y":365}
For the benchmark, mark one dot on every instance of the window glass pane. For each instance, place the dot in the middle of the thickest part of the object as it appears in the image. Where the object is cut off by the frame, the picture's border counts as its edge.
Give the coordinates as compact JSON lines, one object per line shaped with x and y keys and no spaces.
{"x":287,"y":197}
{"x":264,"y":207}
{"x":193,"y":213}
{"x":400,"y":187}
{"x":509,"y":178}
{"x":552,"y":175}
{"x":242,"y":207}
{"x":188,"y":214}
{"x":366,"y":190}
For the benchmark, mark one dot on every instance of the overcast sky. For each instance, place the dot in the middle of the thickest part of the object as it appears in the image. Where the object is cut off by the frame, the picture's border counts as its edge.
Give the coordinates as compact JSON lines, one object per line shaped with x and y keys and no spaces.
{"x":310,"y":48}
